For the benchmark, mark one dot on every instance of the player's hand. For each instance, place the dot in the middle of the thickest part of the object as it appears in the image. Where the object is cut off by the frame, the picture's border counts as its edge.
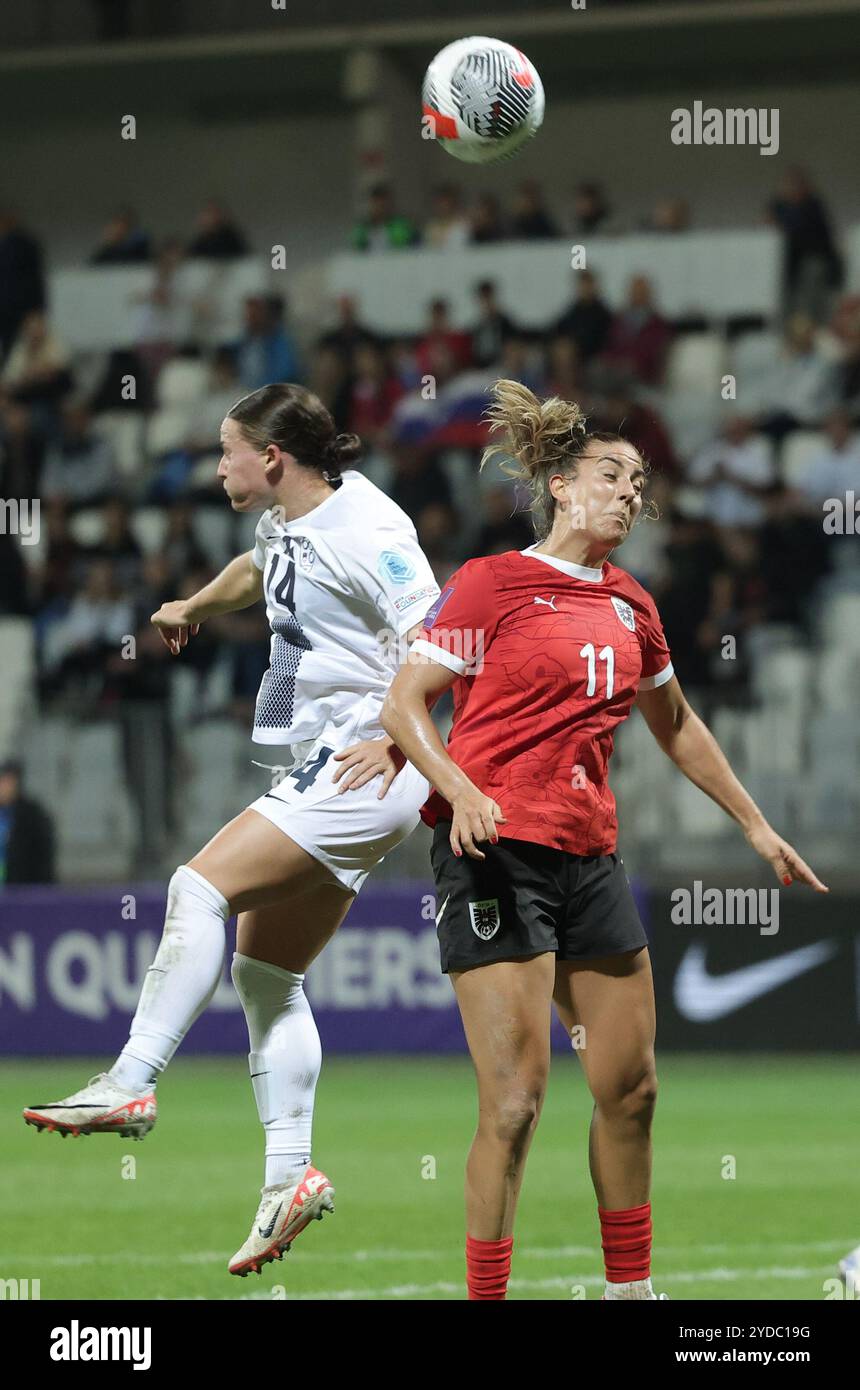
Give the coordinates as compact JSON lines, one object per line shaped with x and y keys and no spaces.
{"x":475,"y":817}
{"x":787,"y":863}
{"x":173,"y":626}
{"x":366,"y":760}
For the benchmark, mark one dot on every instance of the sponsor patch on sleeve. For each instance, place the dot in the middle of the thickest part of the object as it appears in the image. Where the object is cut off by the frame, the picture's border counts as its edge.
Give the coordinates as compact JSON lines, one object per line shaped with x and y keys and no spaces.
{"x":396,"y":567}
{"x":406,"y":600}
{"x":435,"y":609}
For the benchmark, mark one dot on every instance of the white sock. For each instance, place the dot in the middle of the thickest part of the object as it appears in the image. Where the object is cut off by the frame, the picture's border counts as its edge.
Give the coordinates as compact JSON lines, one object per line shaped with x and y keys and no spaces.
{"x":181,"y":980}
{"x":285,"y":1061}
{"x":637,"y":1288}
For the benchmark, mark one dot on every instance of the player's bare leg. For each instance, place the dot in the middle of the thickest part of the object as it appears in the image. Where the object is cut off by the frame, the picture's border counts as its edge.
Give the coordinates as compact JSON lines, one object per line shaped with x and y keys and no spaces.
{"x":612,"y":1002}
{"x":505,"y":1009}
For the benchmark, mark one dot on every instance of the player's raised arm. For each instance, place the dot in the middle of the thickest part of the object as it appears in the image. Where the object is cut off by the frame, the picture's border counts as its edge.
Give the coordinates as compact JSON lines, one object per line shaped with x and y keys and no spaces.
{"x":692,"y":747}
{"x":237,"y":586}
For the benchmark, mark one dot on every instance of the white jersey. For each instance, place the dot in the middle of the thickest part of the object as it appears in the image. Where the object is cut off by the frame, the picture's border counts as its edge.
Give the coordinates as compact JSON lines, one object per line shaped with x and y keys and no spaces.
{"x":342,"y":584}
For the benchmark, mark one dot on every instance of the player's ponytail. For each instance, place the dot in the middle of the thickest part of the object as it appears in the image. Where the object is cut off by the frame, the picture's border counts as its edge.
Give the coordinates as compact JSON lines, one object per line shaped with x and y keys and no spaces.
{"x":296,"y":421}
{"x":535,"y":439}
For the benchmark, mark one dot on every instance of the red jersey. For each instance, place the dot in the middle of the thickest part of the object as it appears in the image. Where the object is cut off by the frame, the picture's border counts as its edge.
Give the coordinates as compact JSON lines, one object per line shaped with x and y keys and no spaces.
{"x":549,"y":657}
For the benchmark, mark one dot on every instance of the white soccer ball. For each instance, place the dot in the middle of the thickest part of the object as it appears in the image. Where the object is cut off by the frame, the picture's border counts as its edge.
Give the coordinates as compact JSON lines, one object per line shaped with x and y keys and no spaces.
{"x":482,"y":100}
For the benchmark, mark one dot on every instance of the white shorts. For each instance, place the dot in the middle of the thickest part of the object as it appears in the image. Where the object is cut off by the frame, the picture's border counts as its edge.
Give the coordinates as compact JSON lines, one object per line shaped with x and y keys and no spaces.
{"x":351,"y":831}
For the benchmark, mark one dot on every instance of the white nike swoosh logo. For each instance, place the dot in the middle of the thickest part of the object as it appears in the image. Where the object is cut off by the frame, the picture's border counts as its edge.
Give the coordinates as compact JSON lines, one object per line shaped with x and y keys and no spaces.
{"x":703,"y":998}
{"x":441,"y":910}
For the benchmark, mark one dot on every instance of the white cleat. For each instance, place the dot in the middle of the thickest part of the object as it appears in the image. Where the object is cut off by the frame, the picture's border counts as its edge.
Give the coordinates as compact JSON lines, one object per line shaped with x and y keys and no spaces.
{"x":102,"y":1107}
{"x":283,"y":1213}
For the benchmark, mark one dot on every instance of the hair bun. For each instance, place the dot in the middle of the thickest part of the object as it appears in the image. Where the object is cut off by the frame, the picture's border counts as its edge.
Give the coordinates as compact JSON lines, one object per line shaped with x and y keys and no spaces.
{"x":342,"y":450}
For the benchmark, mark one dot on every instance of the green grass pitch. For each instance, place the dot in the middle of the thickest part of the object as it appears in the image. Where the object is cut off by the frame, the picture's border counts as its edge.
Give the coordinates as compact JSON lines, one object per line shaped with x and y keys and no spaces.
{"x":69,"y":1217}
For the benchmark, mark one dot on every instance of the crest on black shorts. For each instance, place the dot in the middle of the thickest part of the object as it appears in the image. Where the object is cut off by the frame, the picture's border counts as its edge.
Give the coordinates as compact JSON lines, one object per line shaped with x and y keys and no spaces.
{"x":624,"y":612}
{"x":485,"y":918}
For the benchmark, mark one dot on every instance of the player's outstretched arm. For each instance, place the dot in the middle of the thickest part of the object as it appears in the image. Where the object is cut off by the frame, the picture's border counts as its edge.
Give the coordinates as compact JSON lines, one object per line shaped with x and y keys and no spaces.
{"x":237,"y":586}
{"x":406,"y":717}
{"x":692,"y":747}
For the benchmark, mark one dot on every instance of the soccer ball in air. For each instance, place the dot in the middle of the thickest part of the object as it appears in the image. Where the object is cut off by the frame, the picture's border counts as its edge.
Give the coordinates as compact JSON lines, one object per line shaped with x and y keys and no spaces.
{"x":482,"y":100}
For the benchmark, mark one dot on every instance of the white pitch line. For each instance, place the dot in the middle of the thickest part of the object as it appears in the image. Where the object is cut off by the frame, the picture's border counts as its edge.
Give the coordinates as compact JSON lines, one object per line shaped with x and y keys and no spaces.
{"x":396,"y":1291}
{"x":392,"y":1255}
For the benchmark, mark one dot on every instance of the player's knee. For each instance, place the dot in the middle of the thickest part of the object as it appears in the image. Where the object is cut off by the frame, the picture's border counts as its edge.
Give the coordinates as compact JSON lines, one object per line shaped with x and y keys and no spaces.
{"x":515,"y":1114}
{"x":632,"y":1097}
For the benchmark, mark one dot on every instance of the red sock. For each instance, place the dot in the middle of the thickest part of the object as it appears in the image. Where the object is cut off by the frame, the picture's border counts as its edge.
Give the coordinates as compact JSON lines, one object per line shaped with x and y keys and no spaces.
{"x":626,"y":1240}
{"x":488,"y":1267}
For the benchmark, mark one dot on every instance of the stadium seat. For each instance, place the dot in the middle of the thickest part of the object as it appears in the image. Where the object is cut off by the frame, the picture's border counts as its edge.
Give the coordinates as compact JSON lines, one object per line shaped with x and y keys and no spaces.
{"x":754,"y":353}
{"x":18,"y":648}
{"x":840,"y":620}
{"x":696,"y":363}
{"x":124,"y":431}
{"x":181,"y":382}
{"x":149,"y":525}
{"x":798,"y":449}
{"x":212,"y":531}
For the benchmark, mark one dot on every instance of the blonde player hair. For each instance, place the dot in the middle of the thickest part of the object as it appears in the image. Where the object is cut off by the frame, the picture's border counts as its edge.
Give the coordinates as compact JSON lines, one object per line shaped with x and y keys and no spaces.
{"x":538,"y":438}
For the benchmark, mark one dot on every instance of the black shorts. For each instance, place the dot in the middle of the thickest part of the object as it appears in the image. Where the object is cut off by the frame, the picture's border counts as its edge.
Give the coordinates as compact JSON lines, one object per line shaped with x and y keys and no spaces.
{"x":525,"y":898}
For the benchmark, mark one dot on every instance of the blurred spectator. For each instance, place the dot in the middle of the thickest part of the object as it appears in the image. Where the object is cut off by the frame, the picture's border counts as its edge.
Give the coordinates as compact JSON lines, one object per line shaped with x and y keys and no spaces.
{"x":530,"y":220}
{"x":503,"y":527}
{"x":79,"y":468}
{"x":111,"y":391}
{"x":796,"y":555}
{"x":835,"y":468}
{"x":348,"y":333}
{"x":564,"y":370}
{"x":266,"y":352}
{"x":691,"y":558}
{"x":163,"y":310}
{"x":812,"y":264}
{"x":618,"y":409}
{"x":382,"y":228}
{"x":418,"y":480}
{"x":487,"y":219}
{"x":180,"y":553}
{"x":587,"y":319}
{"x":801,"y":387}
{"x":375,"y":392}
{"x":404,"y":363}
{"x":218,"y":237}
{"x":118,"y":547}
{"x":522,"y":361}
{"x":739,"y":601}
{"x":437,"y":525}
{"x":442,"y":349}
{"x":13,"y":578}
{"x":843,"y":338}
{"x":639,"y":336}
{"x":330,"y":380}
{"x":36,"y":372}
{"x":77,"y":644}
{"x":448,"y":226}
{"x":669,"y":215}
{"x":64,"y":557}
{"x":736,"y":472}
{"x":124,"y":242}
{"x":492,"y":328}
{"x":590,"y":208}
{"x":22,"y":282}
{"x":26,"y":832}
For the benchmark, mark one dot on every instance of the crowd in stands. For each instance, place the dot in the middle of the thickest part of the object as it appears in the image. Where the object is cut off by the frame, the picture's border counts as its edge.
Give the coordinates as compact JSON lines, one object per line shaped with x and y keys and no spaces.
{"x":742,"y":543}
